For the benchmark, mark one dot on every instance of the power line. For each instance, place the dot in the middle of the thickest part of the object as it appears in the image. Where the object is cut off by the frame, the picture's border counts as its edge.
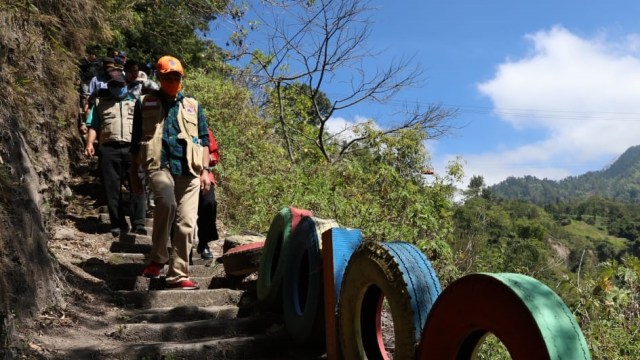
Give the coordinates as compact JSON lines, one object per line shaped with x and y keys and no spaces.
{"x":595,"y":115}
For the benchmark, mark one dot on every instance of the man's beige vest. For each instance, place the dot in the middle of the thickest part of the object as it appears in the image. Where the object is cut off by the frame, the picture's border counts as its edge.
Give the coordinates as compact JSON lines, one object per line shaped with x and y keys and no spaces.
{"x":116,"y":120}
{"x":152,"y":126}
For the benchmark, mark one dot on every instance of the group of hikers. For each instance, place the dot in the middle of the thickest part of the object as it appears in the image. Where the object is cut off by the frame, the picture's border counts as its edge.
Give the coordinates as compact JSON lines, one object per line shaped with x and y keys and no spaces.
{"x":150,"y":136}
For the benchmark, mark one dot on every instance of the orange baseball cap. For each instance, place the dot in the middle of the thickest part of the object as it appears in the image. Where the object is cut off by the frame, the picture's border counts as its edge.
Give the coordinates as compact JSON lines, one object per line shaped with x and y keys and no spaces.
{"x":168,"y":64}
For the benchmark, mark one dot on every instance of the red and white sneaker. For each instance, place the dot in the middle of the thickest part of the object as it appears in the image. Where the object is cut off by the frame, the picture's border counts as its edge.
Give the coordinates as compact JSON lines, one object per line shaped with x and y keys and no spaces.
{"x":184,"y":285}
{"x":153,"y":270}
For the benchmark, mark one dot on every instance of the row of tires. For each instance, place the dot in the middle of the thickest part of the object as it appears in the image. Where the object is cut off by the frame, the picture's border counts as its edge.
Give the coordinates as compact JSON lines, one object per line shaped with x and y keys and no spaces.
{"x":311,"y":269}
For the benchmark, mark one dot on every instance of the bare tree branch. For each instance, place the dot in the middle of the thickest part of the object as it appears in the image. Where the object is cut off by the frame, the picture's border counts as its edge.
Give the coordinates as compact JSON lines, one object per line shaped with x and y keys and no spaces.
{"x":317,"y":42}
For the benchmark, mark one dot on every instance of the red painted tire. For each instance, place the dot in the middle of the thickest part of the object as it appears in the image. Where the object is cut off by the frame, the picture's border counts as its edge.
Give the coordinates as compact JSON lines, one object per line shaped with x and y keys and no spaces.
{"x":243,"y":259}
{"x":233,"y":241}
{"x":529,"y":318}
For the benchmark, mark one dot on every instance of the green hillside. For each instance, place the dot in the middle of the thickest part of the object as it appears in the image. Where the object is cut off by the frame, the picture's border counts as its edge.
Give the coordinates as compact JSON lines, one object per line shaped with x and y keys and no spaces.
{"x":620,"y":181}
{"x":594,"y":234}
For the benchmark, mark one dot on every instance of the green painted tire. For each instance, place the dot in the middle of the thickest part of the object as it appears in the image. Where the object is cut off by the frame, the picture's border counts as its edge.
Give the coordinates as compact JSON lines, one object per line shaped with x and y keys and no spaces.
{"x":275,"y":254}
{"x":529,"y":318}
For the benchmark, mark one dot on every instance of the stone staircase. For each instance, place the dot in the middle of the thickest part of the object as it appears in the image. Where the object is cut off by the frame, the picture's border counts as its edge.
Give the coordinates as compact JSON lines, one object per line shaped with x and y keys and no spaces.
{"x":221,"y":320}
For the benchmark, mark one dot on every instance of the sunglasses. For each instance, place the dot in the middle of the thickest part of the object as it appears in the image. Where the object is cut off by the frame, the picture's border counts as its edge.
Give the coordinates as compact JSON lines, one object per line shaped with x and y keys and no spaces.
{"x":170,"y":77}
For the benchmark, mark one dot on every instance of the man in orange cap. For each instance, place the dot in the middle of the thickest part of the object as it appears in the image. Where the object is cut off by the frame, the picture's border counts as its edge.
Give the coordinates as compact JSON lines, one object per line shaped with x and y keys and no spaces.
{"x":169,"y":141}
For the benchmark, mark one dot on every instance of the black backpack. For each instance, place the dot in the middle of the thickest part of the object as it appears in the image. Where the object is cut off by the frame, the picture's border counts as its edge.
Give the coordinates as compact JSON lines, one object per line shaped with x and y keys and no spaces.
{"x":88,"y":69}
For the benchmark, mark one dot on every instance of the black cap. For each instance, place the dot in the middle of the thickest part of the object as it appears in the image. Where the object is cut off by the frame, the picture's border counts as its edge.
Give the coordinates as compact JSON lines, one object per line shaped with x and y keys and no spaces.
{"x":116,"y":76}
{"x":108,"y":59}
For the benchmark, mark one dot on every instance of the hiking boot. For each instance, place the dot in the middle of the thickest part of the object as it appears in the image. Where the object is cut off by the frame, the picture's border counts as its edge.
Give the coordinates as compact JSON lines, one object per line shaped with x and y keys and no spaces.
{"x":153,"y":270}
{"x":140,"y":230}
{"x":205,"y":252}
{"x":184,"y":285}
{"x":115,"y":232}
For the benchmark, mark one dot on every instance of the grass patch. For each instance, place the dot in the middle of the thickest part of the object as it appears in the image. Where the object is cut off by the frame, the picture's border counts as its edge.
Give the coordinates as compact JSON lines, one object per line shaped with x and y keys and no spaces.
{"x":592,"y":233}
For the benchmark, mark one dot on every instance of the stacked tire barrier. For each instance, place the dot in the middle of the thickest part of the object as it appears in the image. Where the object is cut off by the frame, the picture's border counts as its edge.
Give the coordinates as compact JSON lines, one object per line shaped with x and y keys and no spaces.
{"x":353,"y":281}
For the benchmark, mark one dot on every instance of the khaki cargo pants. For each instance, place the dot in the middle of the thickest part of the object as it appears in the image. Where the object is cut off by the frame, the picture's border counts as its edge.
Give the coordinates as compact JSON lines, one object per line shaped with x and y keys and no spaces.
{"x":176,"y":200}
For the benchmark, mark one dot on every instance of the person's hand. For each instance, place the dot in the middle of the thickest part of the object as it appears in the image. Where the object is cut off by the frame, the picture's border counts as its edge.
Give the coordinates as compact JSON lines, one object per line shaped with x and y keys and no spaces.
{"x":205,"y":182}
{"x":89,"y":150}
{"x":83,"y":129}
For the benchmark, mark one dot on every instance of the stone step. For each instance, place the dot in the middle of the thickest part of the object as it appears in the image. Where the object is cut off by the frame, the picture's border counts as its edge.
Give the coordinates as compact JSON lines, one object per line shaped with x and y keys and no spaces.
{"x":171,"y":298}
{"x":133,"y":238}
{"x":123,"y":257}
{"x":125,"y":273}
{"x":128,"y":258}
{"x":135,"y":269}
{"x":104,"y":209}
{"x":121,"y":247}
{"x":141,"y":283}
{"x":103,"y":218}
{"x":183,"y":313}
{"x":259,"y":346}
{"x":198,"y":329}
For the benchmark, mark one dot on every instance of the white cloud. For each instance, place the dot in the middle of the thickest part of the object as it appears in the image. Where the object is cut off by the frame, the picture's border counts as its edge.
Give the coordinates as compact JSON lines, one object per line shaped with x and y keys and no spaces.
{"x":584,"y":94}
{"x":343,"y":128}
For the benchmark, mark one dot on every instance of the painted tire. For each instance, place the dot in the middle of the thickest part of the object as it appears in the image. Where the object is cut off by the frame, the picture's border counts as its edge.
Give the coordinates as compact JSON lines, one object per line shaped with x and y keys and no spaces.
{"x":345,"y":242}
{"x":398,"y":272}
{"x":233,"y":241}
{"x":337,"y":247}
{"x":529,"y":318}
{"x":243,"y":259}
{"x":302,"y":287}
{"x":274,"y":255}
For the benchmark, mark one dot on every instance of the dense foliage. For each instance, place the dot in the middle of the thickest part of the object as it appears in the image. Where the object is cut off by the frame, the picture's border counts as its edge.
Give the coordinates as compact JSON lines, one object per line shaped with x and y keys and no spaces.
{"x":379,"y":190}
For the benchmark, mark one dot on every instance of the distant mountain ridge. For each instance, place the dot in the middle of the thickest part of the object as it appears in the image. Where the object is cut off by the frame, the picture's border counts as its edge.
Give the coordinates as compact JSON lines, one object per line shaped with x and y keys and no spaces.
{"x":620,"y":181}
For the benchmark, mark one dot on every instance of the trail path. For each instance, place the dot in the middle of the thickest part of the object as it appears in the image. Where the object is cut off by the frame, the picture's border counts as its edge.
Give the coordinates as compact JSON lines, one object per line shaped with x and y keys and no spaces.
{"x":111,"y":312}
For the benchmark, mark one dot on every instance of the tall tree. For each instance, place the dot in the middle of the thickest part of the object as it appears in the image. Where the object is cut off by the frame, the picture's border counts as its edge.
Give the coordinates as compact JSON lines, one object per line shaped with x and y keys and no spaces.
{"x":313,"y":42}
{"x":149,"y":29}
{"x":476,"y":186}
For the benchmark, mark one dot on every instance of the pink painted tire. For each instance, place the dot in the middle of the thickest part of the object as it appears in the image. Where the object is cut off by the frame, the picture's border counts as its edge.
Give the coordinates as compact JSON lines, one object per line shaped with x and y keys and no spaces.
{"x":243,"y":259}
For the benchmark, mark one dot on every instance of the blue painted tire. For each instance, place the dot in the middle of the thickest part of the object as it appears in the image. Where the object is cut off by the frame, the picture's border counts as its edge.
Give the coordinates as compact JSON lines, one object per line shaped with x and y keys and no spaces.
{"x":302,"y":287}
{"x":529,"y":318}
{"x":345,"y":243}
{"x":400,"y":273}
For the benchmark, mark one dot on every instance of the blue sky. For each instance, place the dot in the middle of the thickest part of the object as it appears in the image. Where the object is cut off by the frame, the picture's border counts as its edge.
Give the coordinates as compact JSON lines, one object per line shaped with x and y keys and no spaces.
{"x":544,"y":88}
